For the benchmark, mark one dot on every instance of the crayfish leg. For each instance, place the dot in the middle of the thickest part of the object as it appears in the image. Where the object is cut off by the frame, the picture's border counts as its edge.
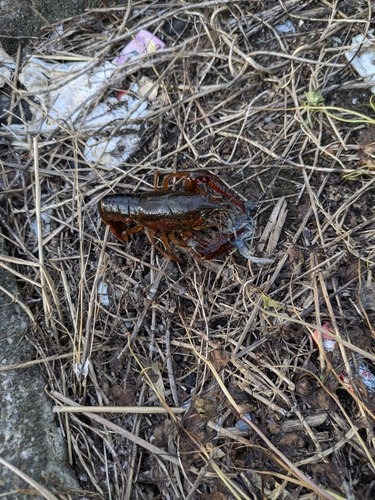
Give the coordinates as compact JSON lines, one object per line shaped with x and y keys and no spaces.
{"x":212,"y":249}
{"x":190,"y":186}
{"x":193,"y":179}
{"x":174,"y":240}
{"x":150,"y":236}
{"x":217,"y":185}
{"x":117,"y":228}
{"x":156,"y":179}
{"x":132,"y":230}
{"x":178,"y":241}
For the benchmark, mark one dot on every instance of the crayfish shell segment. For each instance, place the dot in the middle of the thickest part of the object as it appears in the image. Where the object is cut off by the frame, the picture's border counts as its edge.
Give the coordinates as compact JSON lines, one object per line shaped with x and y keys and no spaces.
{"x":118,"y":207}
{"x":117,"y":211}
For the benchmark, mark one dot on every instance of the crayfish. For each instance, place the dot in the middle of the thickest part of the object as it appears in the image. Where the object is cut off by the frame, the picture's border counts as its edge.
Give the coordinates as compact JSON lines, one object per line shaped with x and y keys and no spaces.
{"x":203,"y":196}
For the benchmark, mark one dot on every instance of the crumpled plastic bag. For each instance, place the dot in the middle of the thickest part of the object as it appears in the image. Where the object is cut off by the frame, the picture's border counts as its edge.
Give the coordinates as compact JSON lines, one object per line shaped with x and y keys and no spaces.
{"x":65,"y":97}
{"x":64,"y":92}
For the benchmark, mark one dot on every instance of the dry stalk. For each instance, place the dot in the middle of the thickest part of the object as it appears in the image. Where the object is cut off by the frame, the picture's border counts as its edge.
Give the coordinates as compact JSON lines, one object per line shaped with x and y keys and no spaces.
{"x":232,"y":100}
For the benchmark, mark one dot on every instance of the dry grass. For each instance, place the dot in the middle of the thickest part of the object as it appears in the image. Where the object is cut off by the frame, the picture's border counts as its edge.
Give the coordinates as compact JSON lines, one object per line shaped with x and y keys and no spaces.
{"x":225,"y":338}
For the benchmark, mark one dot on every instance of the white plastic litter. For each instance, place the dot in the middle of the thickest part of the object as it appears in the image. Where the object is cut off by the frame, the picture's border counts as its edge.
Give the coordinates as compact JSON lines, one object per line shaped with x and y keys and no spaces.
{"x":367,"y":377}
{"x":103,"y":293}
{"x":110,"y":152}
{"x":363,"y":60}
{"x":46,"y":222}
{"x":5,"y":59}
{"x":145,"y":85}
{"x":116,"y":149}
{"x":112,"y":110}
{"x":71,"y":88}
{"x":5,"y":74}
{"x":81,"y":370}
{"x":66,"y":98}
{"x":286,"y":27}
{"x":64,"y":90}
{"x":7,"y":66}
{"x":242,"y":425}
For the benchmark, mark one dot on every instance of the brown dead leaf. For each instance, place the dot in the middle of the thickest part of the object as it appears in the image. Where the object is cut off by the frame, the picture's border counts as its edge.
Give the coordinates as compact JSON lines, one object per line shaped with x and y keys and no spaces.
{"x":270,"y":126}
{"x":219,"y":358}
{"x":304,"y":384}
{"x":153,"y":375}
{"x":214,"y":489}
{"x":116,"y":363}
{"x":292,"y":331}
{"x":303,"y":208}
{"x":367,"y":294}
{"x":295,"y":255}
{"x":290,"y":442}
{"x":366,"y":150}
{"x":217,"y":496}
{"x":193,"y":422}
{"x":241,"y":397}
{"x":194,"y":434}
{"x":162,"y":433}
{"x":330,"y":380}
{"x":360,"y":388}
{"x":360,"y":338}
{"x":193,"y":430}
{"x":333,"y":476}
{"x":152,"y":475}
{"x":208,"y":406}
{"x":320,"y":399}
{"x":122,"y":397}
{"x":351,"y":270}
{"x":369,"y":149}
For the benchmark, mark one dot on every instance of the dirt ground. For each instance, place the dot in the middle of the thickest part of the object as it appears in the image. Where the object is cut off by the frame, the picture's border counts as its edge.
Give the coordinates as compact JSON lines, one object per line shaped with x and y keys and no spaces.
{"x":240,"y":380}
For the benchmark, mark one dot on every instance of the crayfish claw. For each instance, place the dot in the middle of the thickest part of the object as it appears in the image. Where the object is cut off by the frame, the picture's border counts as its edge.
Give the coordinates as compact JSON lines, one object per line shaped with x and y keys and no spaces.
{"x":242,"y":232}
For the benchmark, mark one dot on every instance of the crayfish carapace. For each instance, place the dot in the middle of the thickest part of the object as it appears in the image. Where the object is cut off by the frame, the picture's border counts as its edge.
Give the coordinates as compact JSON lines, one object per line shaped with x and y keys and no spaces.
{"x":177,"y":215}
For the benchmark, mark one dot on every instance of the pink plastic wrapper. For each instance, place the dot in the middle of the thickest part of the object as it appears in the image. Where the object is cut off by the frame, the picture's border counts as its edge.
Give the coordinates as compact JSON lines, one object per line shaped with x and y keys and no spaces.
{"x":328,"y":343}
{"x":144,"y":43}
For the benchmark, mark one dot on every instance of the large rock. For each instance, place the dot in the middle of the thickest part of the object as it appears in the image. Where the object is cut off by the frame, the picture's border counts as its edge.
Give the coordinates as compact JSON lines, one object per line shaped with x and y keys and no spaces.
{"x":30,"y":438}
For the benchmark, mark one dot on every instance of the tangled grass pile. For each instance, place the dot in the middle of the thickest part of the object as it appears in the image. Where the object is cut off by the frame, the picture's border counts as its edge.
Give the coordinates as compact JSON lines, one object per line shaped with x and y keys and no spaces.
{"x":209,"y":379}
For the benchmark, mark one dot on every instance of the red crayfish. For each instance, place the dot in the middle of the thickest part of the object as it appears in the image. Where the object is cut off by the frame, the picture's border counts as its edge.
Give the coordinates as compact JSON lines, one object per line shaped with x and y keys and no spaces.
{"x":183,"y":211}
